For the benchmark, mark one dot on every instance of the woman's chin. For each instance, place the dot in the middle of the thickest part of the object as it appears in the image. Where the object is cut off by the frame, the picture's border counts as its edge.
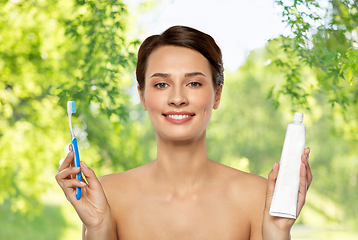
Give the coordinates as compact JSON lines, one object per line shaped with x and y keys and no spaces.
{"x":181,"y":137}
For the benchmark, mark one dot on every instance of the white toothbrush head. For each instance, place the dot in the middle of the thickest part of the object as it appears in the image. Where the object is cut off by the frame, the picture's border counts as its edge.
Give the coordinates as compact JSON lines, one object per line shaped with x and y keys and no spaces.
{"x":71,"y":107}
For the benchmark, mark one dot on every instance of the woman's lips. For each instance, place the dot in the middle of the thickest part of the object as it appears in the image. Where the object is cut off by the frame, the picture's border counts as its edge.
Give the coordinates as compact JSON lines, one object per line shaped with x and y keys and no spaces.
{"x":178,"y":117}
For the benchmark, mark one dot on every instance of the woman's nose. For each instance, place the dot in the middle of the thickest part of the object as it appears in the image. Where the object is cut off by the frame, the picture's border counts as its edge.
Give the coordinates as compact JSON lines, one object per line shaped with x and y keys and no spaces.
{"x":178,"y":97}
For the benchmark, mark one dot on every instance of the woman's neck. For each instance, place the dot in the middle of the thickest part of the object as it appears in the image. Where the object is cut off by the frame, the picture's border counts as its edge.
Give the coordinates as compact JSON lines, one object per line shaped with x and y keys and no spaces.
{"x":182,"y":165}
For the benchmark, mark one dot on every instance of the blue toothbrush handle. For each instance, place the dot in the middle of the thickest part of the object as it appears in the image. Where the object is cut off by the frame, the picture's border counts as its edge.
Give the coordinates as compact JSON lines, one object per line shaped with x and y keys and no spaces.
{"x":77,"y":164}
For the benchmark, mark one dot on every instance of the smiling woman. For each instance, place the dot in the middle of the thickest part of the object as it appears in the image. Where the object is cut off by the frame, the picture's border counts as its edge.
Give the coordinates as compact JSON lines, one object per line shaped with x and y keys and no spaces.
{"x":179,"y":89}
{"x":182,"y":194}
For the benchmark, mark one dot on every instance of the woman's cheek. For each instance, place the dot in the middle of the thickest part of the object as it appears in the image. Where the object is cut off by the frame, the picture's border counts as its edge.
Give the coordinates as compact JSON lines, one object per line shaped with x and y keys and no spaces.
{"x":154,"y":103}
{"x":203,"y":100}
{"x":151,"y":99}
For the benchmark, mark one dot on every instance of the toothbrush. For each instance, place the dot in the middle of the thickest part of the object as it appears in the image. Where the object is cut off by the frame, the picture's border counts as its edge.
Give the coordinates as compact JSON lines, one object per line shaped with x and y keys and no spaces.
{"x":71,"y":108}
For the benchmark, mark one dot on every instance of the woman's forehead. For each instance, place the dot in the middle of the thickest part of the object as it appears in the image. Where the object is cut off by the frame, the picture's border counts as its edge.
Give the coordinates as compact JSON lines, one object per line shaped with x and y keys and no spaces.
{"x":177,"y":60}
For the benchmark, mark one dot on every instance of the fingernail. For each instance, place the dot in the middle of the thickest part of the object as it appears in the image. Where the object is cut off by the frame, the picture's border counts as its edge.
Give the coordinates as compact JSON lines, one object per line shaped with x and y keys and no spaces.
{"x":274,"y":166}
{"x":83,"y":184}
{"x":84,"y":164}
{"x":76,"y":168}
{"x":66,"y":149}
{"x":61,"y":161}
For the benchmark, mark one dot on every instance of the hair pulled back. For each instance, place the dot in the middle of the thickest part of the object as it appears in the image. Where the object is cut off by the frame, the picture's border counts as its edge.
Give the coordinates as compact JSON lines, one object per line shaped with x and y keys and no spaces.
{"x":182,"y":36}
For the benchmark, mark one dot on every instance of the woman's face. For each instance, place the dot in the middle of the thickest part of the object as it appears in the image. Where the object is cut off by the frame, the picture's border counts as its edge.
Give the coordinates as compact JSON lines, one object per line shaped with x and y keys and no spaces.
{"x":179,"y":93}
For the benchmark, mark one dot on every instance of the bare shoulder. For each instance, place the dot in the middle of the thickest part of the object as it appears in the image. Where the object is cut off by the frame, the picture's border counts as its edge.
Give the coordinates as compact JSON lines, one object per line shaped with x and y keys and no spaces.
{"x":237,"y":178}
{"x":123,"y":185}
{"x":246,"y":188}
{"x":248,"y":191}
{"x":117,"y":179}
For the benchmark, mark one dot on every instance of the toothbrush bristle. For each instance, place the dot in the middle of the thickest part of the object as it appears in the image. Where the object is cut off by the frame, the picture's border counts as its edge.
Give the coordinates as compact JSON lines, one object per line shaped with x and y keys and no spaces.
{"x":69,"y":108}
{"x":73,"y":107}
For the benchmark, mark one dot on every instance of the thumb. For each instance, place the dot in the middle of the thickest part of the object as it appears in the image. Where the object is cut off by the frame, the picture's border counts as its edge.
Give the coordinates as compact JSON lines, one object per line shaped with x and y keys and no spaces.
{"x":90,"y":176}
{"x":271,"y":185}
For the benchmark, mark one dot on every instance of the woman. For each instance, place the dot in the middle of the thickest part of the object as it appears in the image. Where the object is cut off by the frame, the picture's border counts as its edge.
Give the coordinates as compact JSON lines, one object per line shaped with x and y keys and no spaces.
{"x":182,"y":194}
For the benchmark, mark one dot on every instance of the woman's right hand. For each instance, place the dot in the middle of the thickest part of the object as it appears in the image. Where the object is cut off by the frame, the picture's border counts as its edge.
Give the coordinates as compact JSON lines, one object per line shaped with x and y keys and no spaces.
{"x":92,"y":207}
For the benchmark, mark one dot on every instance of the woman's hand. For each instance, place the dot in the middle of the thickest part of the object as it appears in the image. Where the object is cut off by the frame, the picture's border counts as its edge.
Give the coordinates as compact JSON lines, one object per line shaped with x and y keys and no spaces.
{"x":92,"y":207}
{"x":278,"y":228}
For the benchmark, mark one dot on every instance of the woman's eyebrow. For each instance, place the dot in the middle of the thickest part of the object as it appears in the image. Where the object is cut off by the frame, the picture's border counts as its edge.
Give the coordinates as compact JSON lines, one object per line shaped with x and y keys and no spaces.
{"x":166,"y":75}
{"x":163,"y":75}
{"x":192,"y":74}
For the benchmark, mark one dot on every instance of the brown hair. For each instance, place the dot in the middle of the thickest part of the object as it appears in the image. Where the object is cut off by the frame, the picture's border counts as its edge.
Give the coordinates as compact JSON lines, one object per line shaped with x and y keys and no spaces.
{"x":183,"y":37}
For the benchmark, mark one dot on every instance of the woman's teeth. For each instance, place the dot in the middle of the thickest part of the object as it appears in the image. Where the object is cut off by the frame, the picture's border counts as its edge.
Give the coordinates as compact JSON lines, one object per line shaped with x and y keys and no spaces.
{"x":178,"y":116}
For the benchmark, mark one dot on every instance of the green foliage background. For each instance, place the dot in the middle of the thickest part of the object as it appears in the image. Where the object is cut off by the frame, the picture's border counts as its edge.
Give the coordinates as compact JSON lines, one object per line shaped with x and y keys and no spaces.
{"x":54,"y":51}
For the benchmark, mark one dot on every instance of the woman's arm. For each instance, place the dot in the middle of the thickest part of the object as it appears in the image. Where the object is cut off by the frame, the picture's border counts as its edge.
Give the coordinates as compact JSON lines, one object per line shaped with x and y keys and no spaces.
{"x":278,"y":228}
{"x":106,"y":231}
{"x":92,"y":208}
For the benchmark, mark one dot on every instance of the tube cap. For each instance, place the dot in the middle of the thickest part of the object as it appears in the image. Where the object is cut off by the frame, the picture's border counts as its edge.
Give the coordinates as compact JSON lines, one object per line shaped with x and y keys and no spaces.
{"x":298,"y":117}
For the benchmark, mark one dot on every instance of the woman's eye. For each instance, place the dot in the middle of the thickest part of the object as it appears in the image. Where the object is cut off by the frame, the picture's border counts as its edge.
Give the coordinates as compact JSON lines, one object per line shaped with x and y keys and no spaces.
{"x":161,"y":85}
{"x":194,"y":84}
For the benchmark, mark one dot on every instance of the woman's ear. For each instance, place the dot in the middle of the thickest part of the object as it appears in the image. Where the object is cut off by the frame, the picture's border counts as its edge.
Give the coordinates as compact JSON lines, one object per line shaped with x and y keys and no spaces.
{"x":218,"y":96}
{"x":141,"y":95}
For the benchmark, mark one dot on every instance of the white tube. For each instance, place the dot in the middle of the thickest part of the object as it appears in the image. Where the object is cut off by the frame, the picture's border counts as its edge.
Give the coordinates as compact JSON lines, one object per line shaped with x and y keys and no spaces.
{"x":284,"y":200}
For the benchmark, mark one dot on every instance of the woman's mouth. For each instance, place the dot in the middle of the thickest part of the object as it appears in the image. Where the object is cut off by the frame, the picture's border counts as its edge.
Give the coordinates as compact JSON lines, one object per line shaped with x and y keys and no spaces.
{"x":178,"y":117}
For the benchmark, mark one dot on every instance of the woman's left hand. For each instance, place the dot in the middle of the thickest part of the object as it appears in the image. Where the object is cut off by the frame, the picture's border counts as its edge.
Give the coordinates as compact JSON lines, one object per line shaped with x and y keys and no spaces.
{"x":278,"y":228}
